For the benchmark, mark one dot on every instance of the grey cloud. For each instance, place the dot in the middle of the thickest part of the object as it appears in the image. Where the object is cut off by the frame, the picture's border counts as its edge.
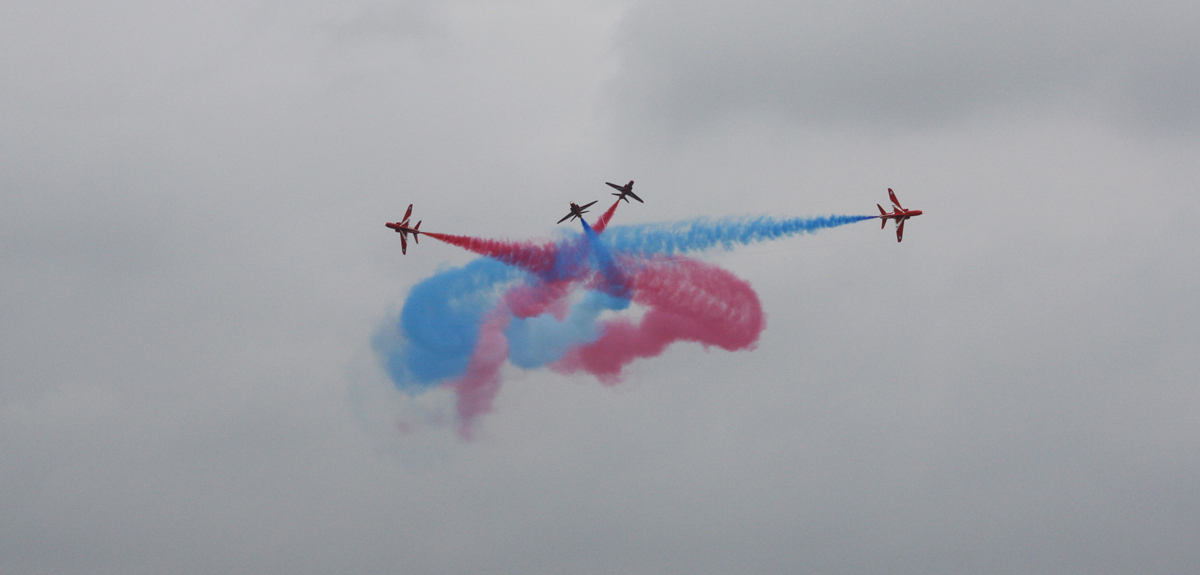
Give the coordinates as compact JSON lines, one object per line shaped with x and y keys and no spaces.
{"x":193,"y":263}
{"x":905,"y":65}
{"x":366,"y":20}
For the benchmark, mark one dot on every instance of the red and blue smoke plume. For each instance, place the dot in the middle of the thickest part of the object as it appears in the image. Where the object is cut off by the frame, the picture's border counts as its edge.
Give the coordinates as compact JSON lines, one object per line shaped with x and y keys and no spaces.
{"x":538,"y":305}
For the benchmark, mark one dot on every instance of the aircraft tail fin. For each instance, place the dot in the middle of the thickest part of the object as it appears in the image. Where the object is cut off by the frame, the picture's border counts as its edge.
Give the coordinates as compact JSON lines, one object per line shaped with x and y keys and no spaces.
{"x":417,"y":236}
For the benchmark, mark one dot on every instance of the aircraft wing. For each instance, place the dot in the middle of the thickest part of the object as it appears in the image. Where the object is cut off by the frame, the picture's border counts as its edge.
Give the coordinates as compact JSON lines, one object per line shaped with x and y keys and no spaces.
{"x":403,"y":245}
{"x":566,"y":217}
{"x":408,"y":213}
{"x":586,"y":206}
{"x":900,"y":230}
{"x":634,"y":196}
{"x":892,"y":196}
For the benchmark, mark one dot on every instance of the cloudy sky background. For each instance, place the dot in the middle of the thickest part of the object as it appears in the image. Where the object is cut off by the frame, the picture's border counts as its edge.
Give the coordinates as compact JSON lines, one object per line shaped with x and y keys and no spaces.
{"x":193,"y":264}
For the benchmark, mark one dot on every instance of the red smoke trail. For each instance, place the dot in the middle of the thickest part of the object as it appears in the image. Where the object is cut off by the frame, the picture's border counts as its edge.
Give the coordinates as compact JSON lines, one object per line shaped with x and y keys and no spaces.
{"x":528,"y":256}
{"x":602,"y":222}
{"x":689,"y":301}
{"x":480,"y":384}
{"x":529,"y":300}
{"x":534,"y":258}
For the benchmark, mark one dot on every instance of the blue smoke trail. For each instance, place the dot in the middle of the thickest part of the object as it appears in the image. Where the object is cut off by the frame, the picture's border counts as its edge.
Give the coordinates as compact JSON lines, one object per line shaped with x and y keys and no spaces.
{"x":615,"y":282}
{"x":702,"y":233}
{"x":439,"y":325}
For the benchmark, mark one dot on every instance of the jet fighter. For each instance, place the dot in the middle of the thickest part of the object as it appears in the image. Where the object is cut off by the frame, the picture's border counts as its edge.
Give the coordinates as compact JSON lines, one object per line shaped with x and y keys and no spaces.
{"x":626,"y":190}
{"x":577,"y":211}
{"x":403,"y":229}
{"x":899,"y":214}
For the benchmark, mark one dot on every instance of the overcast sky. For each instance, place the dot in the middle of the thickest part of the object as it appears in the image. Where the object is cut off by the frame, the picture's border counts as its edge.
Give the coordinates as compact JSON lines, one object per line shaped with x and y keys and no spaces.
{"x":193,"y":265}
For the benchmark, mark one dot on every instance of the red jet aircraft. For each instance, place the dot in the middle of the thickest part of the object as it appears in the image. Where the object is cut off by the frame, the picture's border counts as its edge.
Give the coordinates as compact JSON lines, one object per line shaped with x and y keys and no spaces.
{"x":577,"y":211}
{"x":898,"y":213}
{"x":626,"y":190}
{"x":403,"y":229}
